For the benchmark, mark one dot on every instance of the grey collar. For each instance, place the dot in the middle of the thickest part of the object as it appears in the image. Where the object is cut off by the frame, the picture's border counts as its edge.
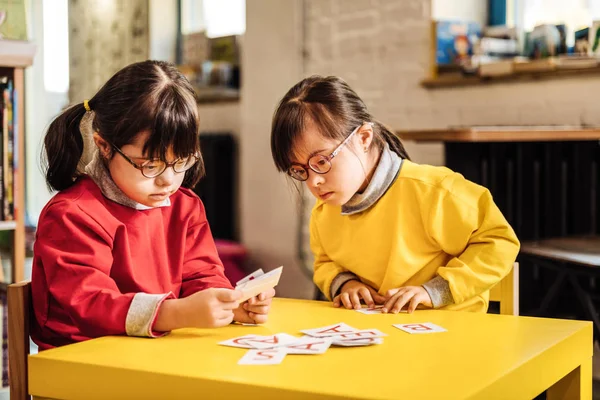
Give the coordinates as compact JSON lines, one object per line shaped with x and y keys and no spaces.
{"x":101,"y":176}
{"x":385,"y":174}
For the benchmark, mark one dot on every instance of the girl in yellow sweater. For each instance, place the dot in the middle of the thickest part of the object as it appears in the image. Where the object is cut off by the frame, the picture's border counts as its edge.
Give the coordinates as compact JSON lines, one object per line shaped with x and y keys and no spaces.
{"x":385,"y":230}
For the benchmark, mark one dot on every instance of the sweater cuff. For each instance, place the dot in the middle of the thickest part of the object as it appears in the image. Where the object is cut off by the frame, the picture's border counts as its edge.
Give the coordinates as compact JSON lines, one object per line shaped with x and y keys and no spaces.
{"x":439,"y":291}
{"x":339,"y":281}
{"x":142,"y":314}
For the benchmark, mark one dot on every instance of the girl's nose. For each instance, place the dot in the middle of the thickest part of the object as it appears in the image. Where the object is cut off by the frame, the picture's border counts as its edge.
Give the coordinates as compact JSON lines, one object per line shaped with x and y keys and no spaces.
{"x":166,"y":178}
{"x":314,"y":179}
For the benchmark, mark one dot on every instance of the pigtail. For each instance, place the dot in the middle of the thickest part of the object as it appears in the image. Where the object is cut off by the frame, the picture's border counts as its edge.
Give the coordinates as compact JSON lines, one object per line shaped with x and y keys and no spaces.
{"x":63,"y":148}
{"x":392,"y":140}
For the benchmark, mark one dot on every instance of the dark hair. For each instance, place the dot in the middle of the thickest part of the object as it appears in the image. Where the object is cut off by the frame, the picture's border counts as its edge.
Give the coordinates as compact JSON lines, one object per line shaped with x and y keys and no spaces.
{"x":146,"y":96}
{"x":333,"y":107}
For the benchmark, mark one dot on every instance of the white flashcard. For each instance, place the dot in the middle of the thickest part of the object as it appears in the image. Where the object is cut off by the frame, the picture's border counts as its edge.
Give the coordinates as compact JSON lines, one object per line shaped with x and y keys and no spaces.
{"x":330,"y":330}
{"x":357,"y":342}
{"x":309,"y":345}
{"x":370,"y":311}
{"x":238,"y":342}
{"x":263,"y":357}
{"x":259,"y":284}
{"x":254,"y":275}
{"x":420,"y":328}
{"x":362,"y":334}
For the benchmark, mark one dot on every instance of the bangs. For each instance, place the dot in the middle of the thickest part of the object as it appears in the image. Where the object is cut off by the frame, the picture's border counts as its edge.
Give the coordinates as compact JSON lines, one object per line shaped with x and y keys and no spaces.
{"x":174,"y":125}
{"x":171,"y":117}
{"x":291,"y":120}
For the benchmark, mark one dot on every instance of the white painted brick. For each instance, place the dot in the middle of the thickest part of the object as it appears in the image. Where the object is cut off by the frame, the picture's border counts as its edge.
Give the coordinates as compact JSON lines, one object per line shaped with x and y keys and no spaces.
{"x":345,"y":7}
{"x":356,"y":24}
{"x":356,"y":47}
{"x":320,"y":8}
{"x":403,"y":11}
{"x":432,"y":118}
{"x":381,"y":48}
{"x":590,"y":115}
{"x":425,"y":153}
{"x":547,"y":115}
{"x":489,"y":115}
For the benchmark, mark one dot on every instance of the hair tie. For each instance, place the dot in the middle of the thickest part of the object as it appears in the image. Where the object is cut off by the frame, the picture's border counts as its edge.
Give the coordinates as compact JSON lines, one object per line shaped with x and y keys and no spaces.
{"x":86,"y":104}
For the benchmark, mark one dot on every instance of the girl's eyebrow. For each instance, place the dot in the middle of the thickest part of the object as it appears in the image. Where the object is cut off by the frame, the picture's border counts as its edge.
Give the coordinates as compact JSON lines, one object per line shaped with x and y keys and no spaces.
{"x":309,"y":156}
{"x":314,"y":153}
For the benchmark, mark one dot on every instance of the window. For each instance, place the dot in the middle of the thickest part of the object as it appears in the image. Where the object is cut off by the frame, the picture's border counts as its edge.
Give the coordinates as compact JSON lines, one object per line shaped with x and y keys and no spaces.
{"x":575,"y":14}
{"x":217,"y":17}
{"x":56,"y":45}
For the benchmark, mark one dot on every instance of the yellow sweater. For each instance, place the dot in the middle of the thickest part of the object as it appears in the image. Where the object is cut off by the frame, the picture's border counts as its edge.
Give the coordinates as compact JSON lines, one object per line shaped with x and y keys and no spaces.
{"x":430,"y":222}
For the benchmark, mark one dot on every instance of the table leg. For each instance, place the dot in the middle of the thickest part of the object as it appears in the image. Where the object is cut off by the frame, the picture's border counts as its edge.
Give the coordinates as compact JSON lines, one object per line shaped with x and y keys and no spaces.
{"x":577,"y":384}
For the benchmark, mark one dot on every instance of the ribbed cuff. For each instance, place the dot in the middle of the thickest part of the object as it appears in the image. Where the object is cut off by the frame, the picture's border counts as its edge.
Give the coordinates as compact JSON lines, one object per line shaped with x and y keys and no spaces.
{"x":339,"y":281}
{"x":142,"y":314}
{"x":439,"y":291}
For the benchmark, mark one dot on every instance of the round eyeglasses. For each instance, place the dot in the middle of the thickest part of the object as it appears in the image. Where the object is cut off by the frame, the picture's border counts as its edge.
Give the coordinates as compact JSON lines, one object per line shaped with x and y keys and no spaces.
{"x":153,"y":168}
{"x":318,"y":163}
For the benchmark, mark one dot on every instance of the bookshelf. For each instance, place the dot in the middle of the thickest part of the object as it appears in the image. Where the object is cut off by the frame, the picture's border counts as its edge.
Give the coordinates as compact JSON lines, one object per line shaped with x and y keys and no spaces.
{"x":15,"y":56}
{"x":456,"y":79}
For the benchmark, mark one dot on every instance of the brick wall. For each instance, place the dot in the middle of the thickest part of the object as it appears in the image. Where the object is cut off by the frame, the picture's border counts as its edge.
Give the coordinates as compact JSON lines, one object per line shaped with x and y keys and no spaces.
{"x":381,"y":48}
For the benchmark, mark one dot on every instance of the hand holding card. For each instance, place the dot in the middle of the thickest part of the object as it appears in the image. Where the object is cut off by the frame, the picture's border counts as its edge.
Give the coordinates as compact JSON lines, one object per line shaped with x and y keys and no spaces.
{"x":256,"y":283}
{"x":257,"y":293}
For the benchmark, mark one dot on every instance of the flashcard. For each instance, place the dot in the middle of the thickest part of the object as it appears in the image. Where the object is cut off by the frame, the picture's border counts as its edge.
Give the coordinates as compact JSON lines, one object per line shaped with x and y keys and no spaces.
{"x":420,"y":328}
{"x":259,"y":284}
{"x":238,"y":342}
{"x":331,"y":330}
{"x":362,"y":334}
{"x":254,"y":275}
{"x":309,"y":345}
{"x":263,"y":357}
{"x":261,"y":342}
{"x":371,"y":310}
{"x":356,"y":342}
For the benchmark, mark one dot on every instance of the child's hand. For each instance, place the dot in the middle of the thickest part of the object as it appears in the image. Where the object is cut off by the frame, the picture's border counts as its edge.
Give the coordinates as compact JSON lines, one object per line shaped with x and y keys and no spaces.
{"x":256,"y":309}
{"x":411,"y":295}
{"x":211,"y":308}
{"x":353,"y":291}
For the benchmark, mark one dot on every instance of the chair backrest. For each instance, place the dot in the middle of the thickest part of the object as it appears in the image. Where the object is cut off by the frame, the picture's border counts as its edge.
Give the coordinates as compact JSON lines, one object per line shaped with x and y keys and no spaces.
{"x":19,"y":312}
{"x":506,"y":292}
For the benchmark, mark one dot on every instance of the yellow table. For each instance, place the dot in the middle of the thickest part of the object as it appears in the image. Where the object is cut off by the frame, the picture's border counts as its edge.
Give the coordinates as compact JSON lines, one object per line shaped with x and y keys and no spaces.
{"x":481,"y":356}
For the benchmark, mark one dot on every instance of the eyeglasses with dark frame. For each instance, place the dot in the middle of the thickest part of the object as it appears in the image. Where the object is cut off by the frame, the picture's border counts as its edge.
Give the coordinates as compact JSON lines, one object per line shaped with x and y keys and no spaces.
{"x":153,"y":168}
{"x":318,"y":163}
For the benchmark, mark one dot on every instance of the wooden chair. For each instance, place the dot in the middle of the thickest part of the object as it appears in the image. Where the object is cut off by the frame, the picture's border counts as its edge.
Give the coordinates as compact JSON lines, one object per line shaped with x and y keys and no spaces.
{"x":506,"y":292}
{"x":19,"y":312}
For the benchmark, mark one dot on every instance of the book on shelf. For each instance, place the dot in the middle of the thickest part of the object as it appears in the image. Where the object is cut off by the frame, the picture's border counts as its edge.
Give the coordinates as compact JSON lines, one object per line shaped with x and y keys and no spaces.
{"x":453,"y":43}
{"x":7,"y":148}
{"x":4,"y":330}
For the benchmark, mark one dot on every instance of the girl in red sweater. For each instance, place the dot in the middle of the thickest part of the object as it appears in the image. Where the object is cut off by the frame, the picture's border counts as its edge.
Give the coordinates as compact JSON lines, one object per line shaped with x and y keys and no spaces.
{"x":124,"y":247}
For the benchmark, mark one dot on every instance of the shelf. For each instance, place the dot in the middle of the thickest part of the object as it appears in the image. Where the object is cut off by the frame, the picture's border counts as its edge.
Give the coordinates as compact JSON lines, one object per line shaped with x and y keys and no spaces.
{"x":16,"y":54}
{"x":504,"y":134}
{"x":458,"y":80}
{"x":207,"y":95}
{"x":8,"y":225}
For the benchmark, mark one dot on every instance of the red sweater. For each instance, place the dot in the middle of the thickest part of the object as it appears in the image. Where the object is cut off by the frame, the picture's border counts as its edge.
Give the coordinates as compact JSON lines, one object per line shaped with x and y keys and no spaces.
{"x":92,"y":255}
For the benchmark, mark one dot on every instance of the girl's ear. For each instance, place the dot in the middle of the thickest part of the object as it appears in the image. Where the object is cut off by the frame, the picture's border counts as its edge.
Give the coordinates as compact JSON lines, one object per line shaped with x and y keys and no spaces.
{"x":103,"y":146}
{"x":365,"y":136}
